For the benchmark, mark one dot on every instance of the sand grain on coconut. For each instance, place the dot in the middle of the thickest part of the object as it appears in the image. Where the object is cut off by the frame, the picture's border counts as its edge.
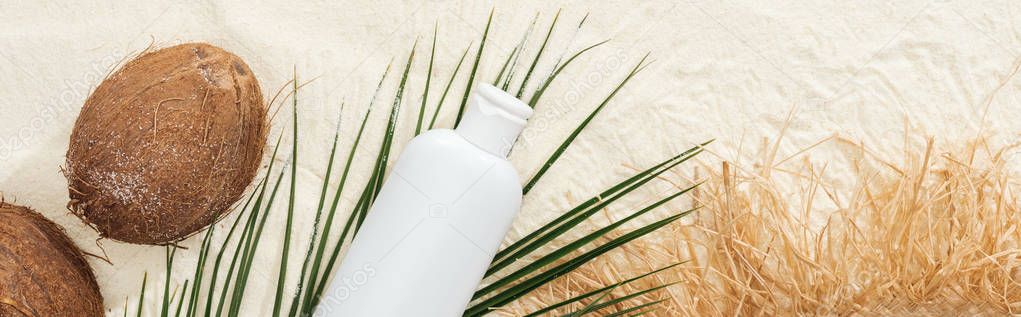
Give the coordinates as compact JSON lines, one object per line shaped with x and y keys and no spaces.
{"x":167,"y":144}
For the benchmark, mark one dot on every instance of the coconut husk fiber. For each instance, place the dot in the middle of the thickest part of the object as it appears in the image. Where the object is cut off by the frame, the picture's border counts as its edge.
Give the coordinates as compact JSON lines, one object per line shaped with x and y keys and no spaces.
{"x":932,"y":232}
{"x":167,"y":144}
{"x":42,"y":272}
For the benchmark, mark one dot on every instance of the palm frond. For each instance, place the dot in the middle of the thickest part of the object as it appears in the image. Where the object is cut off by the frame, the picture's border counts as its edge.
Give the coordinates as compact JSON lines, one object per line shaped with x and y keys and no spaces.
{"x":586,"y":295}
{"x":505,"y":284}
{"x":312,"y":299}
{"x":570,"y":139}
{"x":532,"y":241}
{"x":199,"y":272}
{"x":557,"y":67}
{"x":244,"y":242}
{"x":374,"y":184}
{"x":512,"y":58}
{"x":141,"y":295}
{"x":453,"y":75}
{"x":251,"y":246}
{"x":165,"y":309}
{"x":475,"y":69}
{"x":591,"y":306}
{"x":637,"y":310}
{"x":538,"y":55}
{"x":286,"y":249}
{"x":296,"y":298}
{"x":598,"y":304}
{"x":180,"y":303}
{"x":313,"y":276}
{"x":223,"y":248}
{"x":428,"y":82}
{"x":553,"y":76}
{"x":574,"y":246}
{"x":527,"y":285}
{"x":383,"y":159}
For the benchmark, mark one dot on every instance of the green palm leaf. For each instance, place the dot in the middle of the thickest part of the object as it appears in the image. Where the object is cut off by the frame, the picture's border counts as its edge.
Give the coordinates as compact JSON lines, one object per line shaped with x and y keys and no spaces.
{"x":637,"y":310}
{"x":295,"y":300}
{"x":439,"y":105}
{"x":141,"y":296}
{"x":428,"y":82}
{"x":180,"y":303}
{"x":539,"y":237}
{"x":598,"y":304}
{"x":570,"y":139}
{"x":199,"y":272}
{"x":573,"y":246}
{"x":538,"y":55}
{"x":527,"y":285}
{"x":321,"y":248}
{"x":559,"y":68}
{"x":586,"y":295}
{"x":165,"y":309}
{"x":531,"y":270}
{"x":319,"y":283}
{"x":223,"y":249}
{"x":475,"y":69}
{"x":591,"y":306}
{"x":374,"y":184}
{"x":512,"y":58}
{"x":285,"y":251}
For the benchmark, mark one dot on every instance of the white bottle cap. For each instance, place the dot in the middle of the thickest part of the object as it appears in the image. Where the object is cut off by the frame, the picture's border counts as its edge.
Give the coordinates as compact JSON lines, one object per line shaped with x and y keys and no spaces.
{"x":493,"y":120}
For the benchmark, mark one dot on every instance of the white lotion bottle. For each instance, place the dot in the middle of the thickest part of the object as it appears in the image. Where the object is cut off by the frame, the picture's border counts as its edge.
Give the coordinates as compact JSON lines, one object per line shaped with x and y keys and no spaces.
{"x":439,"y":219}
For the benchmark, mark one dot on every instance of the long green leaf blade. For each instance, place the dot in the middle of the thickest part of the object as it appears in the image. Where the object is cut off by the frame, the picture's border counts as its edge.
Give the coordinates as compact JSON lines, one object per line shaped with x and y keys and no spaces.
{"x":538,"y":55}
{"x":348,"y":228}
{"x":295,"y":300}
{"x":223,"y":248}
{"x":180,"y":303}
{"x":597,"y":305}
{"x":141,"y":296}
{"x":514,"y":292}
{"x":428,"y":83}
{"x":165,"y":309}
{"x":573,"y":246}
{"x":506,"y":64}
{"x":590,"y":306}
{"x":199,"y":272}
{"x":635,"y":309}
{"x":321,"y":249}
{"x":553,"y":76}
{"x":373,"y":186}
{"x":563,"y":146}
{"x":528,"y":243}
{"x":453,"y":75}
{"x":512,"y":59}
{"x":286,"y":250}
{"x":383,"y":158}
{"x":578,"y":298}
{"x":320,"y":286}
{"x":475,"y":69}
{"x":244,"y":242}
{"x":246,"y":265}
{"x":557,"y":65}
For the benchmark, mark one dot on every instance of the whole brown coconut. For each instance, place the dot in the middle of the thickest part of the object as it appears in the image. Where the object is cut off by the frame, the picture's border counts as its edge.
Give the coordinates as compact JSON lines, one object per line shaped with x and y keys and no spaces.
{"x":42,"y":273}
{"x":167,"y":144}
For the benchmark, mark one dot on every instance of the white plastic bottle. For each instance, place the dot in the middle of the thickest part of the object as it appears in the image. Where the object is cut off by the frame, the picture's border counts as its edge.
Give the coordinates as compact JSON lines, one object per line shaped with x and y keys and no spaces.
{"x":443,"y":210}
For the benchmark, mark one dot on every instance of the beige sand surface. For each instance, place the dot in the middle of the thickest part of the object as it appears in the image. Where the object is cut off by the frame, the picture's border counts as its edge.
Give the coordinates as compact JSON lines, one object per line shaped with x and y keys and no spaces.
{"x":730,"y":70}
